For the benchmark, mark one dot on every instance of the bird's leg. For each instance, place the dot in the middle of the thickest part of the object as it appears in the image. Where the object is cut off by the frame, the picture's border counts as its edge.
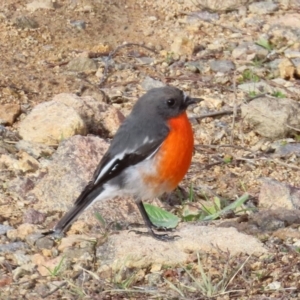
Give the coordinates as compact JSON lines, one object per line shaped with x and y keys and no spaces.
{"x":148,"y":223}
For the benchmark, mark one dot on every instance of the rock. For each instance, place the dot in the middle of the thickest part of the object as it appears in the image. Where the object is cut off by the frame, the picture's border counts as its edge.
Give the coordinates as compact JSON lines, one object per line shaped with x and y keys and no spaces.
{"x":287,"y":233}
{"x":291,"y":54}
{"x":45,"y":266}
{"x":25,"y":22}
{"x":262,"y":8}
{"x":71,"y":240}
{"x":296,"y":63}
{"x":149,"y":83}
{"x":134,"y":251}
{"x":8,"y":134}
{"x":44,"y":242}
{"x":9,"y":113}
{"x":78,"y":24}
{"x":222,"y":66}
{"x":256,"y":87}
{"x":269,"y":116}
{"x":21,"y":258}
{"x":21,"y":232}
{"x":101,"y":119}
{"x":27,"y":163}
{"x":249,"y":51}
{"x":290,"y":34}
{"x":50,"y":123}
{"x":12,"y":247}
{"x":182,"y":45}
{"x":24,"y":230}
{"x":290,"y":19}
{"x":197,"y":66}
{"x":72,"y":167}
{"x":32,"y":216}
{"x":286,"y":150}
{"x":225,"y":5}
{"x":271,"y":220}
{"x":40,"y":4}
{"x":82,"y":65}
{"x":32,"y":239}
{"x":204,"y":15}
{"x":145,"y":60}
{"x":36,"y":150}
{"x":20,"y":186}
{"x":287,"y":69}
{"x":4,"y":229}
{"x":274,"y":194}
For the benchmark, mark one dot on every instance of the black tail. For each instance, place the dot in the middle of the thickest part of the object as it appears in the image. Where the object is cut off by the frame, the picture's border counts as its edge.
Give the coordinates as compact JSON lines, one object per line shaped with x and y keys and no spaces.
{"x":87,"y":197}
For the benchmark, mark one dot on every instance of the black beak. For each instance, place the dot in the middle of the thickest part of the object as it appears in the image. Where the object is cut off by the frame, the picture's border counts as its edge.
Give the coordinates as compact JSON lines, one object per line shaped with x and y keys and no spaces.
{"x":189,"y":101}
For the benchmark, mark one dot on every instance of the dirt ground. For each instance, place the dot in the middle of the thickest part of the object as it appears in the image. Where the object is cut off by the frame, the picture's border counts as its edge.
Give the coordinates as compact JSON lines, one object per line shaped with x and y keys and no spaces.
{"x":34,"y":68}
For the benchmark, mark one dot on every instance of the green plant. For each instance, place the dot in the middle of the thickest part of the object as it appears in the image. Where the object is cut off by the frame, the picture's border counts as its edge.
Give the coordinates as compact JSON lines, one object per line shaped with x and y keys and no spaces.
{"x":249,"y":75}
{"x":169,"y":58}
{"x":257,"y":62}
{"x":252,"y":94}
{"x":278,"y":94}
{"x":233,"y":206}
{"x":265,"y":44}
{"x":57,"y":269}
{"x":206,"y":284}
{"x":160,"y":217}
{"x":191,"y":193}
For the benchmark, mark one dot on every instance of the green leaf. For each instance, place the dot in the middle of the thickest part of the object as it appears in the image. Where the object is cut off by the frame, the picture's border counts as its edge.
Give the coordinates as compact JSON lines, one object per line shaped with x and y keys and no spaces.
{"x":100,"y":218}
{"x":234,"y":205}
{"x":160,"y":217}
{"x":264,"y":43}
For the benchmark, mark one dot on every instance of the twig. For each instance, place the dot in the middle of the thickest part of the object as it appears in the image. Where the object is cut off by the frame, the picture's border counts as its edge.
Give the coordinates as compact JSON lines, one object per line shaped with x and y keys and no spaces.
{"x":225,"y":146}
{"x":284,"y":164}
{"x":215,"y":114}
{"x":255,"y":97}
{"x":111,"y":55}
{"x":294,"y":128}
{"x":63,"y":284}
{"x":235,"y":109}
{"x":227,"y":112}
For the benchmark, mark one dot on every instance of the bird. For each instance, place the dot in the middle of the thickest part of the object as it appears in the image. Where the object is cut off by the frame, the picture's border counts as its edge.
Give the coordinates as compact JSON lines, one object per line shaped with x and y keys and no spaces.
{"x":149,"y":155}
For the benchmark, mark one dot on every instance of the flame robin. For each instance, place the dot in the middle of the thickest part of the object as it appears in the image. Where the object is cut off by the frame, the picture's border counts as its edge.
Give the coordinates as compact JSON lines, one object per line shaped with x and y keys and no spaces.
{"x":149,"y":155}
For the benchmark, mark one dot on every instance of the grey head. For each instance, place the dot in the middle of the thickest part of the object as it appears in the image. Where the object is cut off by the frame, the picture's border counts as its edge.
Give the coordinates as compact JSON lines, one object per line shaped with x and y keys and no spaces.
{"x":167,"y":102}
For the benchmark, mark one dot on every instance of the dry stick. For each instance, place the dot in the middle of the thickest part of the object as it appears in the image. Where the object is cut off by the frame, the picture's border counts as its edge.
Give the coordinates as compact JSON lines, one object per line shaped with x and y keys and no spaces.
{"x":63,"y":284}
{"x":111,"y":55}
{"x":235,"y":108}
{"x":284,"y":164}
{"x":225,"y":146}
{"x":292,"y":127}
{"x":227,"y":112}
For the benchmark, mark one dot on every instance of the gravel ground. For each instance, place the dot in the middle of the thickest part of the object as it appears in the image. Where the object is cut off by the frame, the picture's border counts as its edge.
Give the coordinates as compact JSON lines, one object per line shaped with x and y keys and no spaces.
{"x":237,"y":55}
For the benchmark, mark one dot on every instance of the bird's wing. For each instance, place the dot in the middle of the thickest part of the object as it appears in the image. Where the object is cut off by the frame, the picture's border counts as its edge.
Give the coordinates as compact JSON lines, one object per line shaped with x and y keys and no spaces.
{"x":128,"y":150}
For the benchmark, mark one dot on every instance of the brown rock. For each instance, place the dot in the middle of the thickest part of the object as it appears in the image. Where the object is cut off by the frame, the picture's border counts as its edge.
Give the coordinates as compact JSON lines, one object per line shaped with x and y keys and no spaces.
{"x":287,"y":69}
{"x":101,"y":119}
{"x":269,"y":116}
{"x":21,"y":232}
{"x":32,"y":216}
{"x":182,"y":45}
{"x":9,"y":113}
{"x":82,"y":65}
{"x":143,"y":251}
{"x":274,"y":194}
{"x":50,"y":123}
{"x":72,"y":167}
{"x":287,"y":233}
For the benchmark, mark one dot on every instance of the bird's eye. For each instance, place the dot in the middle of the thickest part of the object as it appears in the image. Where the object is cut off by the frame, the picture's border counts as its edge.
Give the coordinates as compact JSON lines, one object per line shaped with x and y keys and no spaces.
{"x":171,"y":102}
